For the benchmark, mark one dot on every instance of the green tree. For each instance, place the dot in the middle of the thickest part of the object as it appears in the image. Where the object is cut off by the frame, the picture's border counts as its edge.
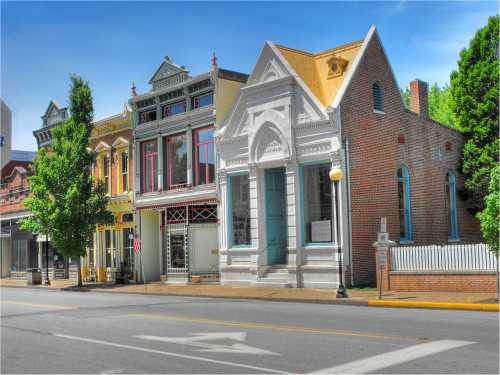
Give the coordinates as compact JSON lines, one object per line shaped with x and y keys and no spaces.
{"x":474,"y":102}
{"x":439,"y":104}
{"x":66,"y":203}
{"x":490,"y":217}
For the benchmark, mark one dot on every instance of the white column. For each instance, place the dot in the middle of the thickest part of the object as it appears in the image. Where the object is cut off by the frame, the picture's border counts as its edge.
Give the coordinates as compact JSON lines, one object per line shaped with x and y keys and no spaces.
{"x":160,"y":162}
{"x":291,"y":192}
{"x":189,"y":147}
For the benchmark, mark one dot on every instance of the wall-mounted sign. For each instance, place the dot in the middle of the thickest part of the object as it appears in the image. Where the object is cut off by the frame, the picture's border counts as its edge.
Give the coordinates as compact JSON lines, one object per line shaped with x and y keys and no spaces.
{"x":321,"y":231}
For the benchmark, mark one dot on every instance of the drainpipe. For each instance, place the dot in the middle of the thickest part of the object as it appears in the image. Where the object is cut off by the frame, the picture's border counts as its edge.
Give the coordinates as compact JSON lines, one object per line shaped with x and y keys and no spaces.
{"x":349,"y":205}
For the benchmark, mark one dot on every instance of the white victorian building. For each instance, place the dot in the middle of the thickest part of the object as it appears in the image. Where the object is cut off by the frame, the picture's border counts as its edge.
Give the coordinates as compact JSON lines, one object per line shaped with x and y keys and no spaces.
{"x":274,"y":152}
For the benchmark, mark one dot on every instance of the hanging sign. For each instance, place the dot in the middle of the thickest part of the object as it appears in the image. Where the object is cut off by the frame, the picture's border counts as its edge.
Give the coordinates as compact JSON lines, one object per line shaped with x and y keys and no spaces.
{"x":137,"y":245}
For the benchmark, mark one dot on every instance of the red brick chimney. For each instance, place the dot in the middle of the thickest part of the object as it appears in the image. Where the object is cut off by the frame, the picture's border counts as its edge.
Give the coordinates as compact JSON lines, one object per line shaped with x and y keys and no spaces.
{"x":419,"y":98}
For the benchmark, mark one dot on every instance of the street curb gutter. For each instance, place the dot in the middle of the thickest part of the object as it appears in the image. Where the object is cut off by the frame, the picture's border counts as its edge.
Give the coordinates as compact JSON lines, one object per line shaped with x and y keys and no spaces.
{"x":436,"y":305}
{"x":372,"y":303}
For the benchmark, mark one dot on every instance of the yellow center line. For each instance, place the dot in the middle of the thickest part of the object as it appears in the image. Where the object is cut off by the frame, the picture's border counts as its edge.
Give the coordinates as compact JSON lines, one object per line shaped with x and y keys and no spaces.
{"x":273,"y":327}
{"x":41,"y":305}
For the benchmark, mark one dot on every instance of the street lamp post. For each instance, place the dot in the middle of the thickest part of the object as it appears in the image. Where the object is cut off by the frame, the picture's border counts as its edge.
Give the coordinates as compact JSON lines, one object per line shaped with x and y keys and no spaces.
{"x":336,"y":175}
{"x":47,"y":281}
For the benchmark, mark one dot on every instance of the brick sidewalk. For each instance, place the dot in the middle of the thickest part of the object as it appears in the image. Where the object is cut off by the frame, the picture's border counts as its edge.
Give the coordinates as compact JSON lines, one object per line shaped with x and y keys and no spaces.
{"x":283,"y":294}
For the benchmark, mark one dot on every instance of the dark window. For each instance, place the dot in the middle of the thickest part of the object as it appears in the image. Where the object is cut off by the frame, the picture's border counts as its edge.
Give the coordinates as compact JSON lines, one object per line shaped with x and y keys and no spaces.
{"x":378,"y":103}
{"x":317,"y":203}
{"x":202,"y":100}
{"x":240,"y":207}
{"x":147,"y":116}
{"x":128,"y":249}
{"x":171,"y":95}
{"x":105,"y":168}
{"x":124,"y":171}
{"x":199,"y":86}
{"x":204,"y":156}
{"x":451,"y":206}
{"x":145,"y":103}
{"x":149,"y":166}
{"x":405,"y":228}
{"x":127,"y":218}
{"x":176,"y":161}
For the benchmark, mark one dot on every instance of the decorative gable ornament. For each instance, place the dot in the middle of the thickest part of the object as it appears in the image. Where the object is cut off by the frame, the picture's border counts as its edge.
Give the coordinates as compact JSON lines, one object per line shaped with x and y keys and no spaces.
{"x":168,"y":74}
{"x":337,"y":66}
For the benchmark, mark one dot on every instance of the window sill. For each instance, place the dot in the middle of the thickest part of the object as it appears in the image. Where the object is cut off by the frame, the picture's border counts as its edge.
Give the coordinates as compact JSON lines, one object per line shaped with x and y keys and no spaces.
{"x":237,"y":247}
{"x":453,"y":240}
{"x":378,"y":112}
{"x":320,"y":244}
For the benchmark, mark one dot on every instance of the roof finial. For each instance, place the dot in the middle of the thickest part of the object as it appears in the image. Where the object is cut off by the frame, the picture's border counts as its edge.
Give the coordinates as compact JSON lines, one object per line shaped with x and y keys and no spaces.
{"x":214,"y":60}
{"x":134,"y":93}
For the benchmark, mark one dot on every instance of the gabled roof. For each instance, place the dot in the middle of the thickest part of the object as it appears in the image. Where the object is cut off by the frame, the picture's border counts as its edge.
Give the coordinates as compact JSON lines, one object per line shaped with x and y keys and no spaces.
{"x":167,"y":69}
{"x":53,"y":104}
{"x":315,"y":69}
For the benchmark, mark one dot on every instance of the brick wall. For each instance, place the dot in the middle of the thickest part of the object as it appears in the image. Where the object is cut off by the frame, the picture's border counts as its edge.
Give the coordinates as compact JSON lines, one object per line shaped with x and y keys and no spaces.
{"x":379,"y":144}
{"x":443,"y":282}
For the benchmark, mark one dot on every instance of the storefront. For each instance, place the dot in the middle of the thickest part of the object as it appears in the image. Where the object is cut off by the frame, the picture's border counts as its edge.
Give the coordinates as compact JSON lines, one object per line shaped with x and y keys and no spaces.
{"x":275,"y":151}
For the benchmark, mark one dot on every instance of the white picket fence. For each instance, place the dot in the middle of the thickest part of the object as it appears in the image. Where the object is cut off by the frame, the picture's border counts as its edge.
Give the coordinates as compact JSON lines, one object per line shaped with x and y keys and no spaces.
{"x":443,"y":258}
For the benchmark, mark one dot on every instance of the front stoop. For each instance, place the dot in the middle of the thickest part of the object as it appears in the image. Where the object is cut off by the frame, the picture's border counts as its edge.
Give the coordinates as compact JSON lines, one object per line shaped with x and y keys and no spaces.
{"x":275,"y":277}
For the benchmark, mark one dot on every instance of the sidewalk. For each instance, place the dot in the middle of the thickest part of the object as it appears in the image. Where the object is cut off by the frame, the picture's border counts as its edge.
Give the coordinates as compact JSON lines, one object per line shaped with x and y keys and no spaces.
{"x":368,"y":296}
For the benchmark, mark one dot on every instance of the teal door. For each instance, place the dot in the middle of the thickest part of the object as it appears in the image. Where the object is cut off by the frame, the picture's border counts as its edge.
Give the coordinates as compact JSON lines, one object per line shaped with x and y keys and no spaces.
{"x":276,"y":224}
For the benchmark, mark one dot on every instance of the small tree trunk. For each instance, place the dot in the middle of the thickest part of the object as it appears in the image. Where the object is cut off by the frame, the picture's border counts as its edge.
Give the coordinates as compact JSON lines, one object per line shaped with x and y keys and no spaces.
{"x":79,"y":268}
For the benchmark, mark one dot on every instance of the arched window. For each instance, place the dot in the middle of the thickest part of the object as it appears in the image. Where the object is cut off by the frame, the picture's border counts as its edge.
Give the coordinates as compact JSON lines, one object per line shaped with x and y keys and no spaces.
{"x":405,"y":229}
{"x":378,"y":103}
{"x":451,"y":205}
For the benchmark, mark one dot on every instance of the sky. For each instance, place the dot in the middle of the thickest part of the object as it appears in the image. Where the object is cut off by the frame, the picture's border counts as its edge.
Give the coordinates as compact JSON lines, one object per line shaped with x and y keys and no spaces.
{"x":112,"y":44}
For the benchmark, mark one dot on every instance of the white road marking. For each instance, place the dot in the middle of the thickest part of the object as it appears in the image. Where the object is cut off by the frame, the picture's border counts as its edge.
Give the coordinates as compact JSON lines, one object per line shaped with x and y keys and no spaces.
{"x":381,"y":361}
{"x":178,"y":355}
{"x":198,"y":342}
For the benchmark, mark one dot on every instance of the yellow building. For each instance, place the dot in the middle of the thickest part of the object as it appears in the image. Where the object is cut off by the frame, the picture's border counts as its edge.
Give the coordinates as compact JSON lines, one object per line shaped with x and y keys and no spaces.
{"x":111,"y":254}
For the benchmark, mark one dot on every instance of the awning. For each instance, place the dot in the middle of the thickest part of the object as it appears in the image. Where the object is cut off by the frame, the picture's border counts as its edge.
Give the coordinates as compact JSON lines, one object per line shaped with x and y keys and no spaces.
{"x":179,"y":204}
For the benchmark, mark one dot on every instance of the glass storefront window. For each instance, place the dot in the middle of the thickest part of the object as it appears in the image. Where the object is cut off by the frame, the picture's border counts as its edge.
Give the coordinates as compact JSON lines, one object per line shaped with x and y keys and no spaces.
{"x":240,"y":205}
{"x":149,"y":166}
{"x":204,"y":156}
{"x":318,"y":224}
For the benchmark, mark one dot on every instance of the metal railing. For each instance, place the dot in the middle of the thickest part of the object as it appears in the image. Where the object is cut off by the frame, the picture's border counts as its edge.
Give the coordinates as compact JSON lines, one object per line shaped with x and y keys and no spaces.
{"x":443,"y":258}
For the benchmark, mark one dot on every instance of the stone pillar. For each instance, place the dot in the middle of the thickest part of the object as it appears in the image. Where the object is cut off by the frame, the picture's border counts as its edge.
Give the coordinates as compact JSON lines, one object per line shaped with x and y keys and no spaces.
{"x":383,"y":256}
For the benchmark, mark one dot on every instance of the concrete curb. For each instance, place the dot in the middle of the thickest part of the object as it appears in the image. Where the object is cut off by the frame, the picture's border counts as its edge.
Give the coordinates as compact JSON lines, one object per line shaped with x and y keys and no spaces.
{"x":436,"y":305}
{"x":372,"y":303}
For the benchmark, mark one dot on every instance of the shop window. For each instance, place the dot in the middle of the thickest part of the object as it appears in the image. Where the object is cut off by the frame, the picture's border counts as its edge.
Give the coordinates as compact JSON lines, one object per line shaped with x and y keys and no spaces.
{"x":124,"y":171}
{"x":173,"y":109}
{"x":20,"y":260}
{"x":147,"y":116}
{"x":239,"y":198}
{"x":149,"y":166}
{"x":204,"y":155}
{"x":405,"y":227}
{"x":451,"y":206}
{"x":176,"y":162}
{"x":201,"y":101}
{"x":317,"y":204}
{"x":128,"y":249}
{"x":107,"y":247}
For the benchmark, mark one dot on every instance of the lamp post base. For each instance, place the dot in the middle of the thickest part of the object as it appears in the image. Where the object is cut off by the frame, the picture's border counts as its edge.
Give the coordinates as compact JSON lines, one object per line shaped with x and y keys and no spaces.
{"x":341,"y":292}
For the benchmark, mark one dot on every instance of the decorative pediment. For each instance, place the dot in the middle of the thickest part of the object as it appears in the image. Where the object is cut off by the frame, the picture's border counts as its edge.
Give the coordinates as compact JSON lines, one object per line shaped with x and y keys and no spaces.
{"x":102,"y":146}
{"x":54,"y":114}
{"x":269,"y":144}
{"x":271,"y":72}
{"x":168,"y":74}
{"x":307,"y":111}
{"x":268,"y":67}
{"x":120,"y":142}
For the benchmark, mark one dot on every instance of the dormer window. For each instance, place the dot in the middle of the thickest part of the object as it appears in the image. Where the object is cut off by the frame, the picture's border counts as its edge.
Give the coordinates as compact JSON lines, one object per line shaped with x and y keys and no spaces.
{"x":337,"y":66}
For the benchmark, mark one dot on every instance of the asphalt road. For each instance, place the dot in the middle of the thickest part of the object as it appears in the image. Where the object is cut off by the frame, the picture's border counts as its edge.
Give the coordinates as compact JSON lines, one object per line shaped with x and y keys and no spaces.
{"x":45,"y":331}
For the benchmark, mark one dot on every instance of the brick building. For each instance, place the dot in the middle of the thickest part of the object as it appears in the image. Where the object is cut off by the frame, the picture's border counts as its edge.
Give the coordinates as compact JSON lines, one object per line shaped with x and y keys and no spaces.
{"x":301,"y":114}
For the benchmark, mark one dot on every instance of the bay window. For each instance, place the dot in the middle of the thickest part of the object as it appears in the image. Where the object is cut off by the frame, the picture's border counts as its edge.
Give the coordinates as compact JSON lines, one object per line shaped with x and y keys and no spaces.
{"x":239,"y":192}
{"x":149,"y":166}
{"x":317,"y":204}
{"x":204,"y":156}
{"x":176,"y":165}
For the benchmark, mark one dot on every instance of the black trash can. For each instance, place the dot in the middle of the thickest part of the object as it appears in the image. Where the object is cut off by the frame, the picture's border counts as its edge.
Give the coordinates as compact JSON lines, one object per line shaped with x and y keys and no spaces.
{"x":34,"y":276}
